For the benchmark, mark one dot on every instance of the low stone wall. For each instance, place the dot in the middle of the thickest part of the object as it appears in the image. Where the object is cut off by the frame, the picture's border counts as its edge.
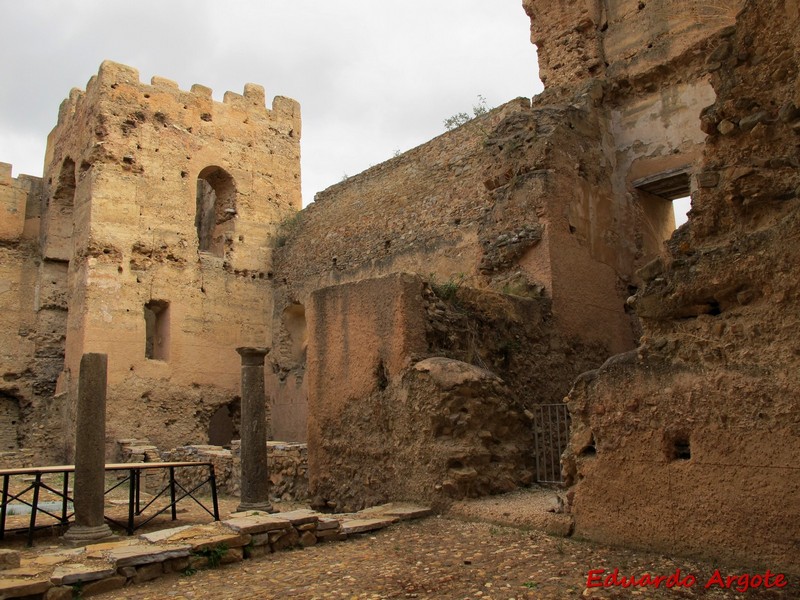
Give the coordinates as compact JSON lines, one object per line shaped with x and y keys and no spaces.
{"x":288,"y":465}
{"x":98,"y":568}
{"x":17,"y":459}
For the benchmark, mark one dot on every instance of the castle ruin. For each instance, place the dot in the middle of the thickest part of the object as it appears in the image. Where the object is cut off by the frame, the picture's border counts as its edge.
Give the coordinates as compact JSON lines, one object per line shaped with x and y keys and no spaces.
{"x":420,"y":312}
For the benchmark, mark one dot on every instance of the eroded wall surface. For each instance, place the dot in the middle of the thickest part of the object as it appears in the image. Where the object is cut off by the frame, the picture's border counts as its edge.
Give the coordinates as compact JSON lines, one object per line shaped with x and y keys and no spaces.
{"x":165,"y":277}
{"x":391,"y":415}
{"x":427,"y":392}
{"x":32,"y":321}
{"x":691,"y":444}
{"x":493,"y":205}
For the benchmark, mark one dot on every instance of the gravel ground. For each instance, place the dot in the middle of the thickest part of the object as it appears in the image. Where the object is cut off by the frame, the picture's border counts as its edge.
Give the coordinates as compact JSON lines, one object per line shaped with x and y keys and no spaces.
{"x":458,"y":555}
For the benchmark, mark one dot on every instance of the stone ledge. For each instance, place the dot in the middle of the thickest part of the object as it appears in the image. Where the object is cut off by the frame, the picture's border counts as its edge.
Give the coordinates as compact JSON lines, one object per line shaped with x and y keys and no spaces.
{"x":250,"y":534}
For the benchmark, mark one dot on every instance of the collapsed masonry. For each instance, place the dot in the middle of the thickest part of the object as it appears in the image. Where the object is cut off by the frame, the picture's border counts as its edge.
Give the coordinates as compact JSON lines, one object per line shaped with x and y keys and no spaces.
{"x":417,"y":312}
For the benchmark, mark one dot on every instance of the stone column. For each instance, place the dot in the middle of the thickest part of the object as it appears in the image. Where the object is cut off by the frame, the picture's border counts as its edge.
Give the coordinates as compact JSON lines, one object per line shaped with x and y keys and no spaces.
{"x":90,"y":453}
{"x":255,"y":473}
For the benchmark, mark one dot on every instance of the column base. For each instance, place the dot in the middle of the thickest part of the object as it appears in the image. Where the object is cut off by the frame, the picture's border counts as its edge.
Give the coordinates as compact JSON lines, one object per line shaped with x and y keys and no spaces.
{"x":81,"y":535}
{"x":260,"y":506}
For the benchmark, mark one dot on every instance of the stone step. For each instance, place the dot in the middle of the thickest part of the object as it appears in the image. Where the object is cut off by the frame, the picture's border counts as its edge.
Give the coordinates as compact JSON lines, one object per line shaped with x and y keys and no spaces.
{"x":16,"y":587}
{"x":401,"y":511}
{"x":135,"y":555}
{"x":259,"y":523}
{"x":72,"y":573}
{"x":352,"y":526}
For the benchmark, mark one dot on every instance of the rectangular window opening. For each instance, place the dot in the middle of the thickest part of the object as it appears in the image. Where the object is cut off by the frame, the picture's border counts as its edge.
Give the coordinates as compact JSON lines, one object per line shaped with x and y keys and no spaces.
{"x":664,"y":200}
{"x":156,"y":319}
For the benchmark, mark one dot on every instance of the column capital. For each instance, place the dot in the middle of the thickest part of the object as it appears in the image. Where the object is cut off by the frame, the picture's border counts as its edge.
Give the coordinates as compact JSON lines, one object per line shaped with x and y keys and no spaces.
{"x":252,"y":356}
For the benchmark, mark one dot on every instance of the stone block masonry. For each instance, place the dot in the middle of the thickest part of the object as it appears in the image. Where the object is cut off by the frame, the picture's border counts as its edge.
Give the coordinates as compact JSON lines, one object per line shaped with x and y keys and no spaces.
{"x":161,"y":209}
{"x":248,"y":535}
{"x":32,"y":322}
{"x":288,"y":465}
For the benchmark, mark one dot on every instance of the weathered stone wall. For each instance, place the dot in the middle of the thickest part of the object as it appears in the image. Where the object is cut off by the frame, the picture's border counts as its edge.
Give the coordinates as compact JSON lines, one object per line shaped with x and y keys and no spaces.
{"x":122,"y":173}
{"x":494,"y":204}
{"x":288,"y":466}
{"x":418,"y":212}
{"x":31,"y":322}
{"x":591,"y":240}
{"x":425,"y":206}
{"x":692,"y":444}
{"x":382,"y":427}
{"x":619,"y":39}
{"x":649,"y":63}
{"x":422,"y":392}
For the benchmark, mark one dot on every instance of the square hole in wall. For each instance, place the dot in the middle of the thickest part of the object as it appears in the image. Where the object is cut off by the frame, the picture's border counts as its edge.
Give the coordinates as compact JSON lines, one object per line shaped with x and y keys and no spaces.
{"x":677,"y":446}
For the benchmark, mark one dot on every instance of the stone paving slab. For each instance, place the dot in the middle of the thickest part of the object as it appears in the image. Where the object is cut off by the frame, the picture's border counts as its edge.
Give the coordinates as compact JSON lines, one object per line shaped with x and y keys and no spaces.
{"x":50,"y":560}
{"x":299,"y":517}
{"x":164,"y":534}
{"x":72,"y":573}
{"x":26,"y":570}
{"x":259,"y":523}
{"x":110,"y":545}
{"x":132,"y":556}
{"x":352,"y":526}
{"x":403,"y":512}
{"x":208,"y":536}
{"x":13,"y":587}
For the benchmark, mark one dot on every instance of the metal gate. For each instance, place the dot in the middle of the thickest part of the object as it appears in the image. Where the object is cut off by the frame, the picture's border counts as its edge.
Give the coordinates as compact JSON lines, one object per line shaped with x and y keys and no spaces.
{"x":551,"y":435}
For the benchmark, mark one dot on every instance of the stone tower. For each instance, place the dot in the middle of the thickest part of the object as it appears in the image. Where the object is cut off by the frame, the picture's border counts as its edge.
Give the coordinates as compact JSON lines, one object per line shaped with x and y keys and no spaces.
{"x":157,"y":231}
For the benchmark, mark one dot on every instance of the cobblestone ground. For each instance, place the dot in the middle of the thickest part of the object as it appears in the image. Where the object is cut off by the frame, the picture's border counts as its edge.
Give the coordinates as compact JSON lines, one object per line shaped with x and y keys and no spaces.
{"x":440,"y":557}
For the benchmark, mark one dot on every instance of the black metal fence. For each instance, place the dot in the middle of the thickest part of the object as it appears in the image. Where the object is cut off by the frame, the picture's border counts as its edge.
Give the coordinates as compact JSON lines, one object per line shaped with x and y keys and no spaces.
{"x":551,"y":435}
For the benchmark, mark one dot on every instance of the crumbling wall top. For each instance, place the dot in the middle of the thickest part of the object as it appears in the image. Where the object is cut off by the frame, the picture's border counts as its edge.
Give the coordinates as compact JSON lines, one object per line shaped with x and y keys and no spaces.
{"x":621,"y":39}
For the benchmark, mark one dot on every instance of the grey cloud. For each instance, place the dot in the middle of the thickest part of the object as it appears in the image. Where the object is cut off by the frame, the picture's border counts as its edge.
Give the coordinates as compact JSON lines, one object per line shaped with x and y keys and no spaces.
{"x":371,"y":77}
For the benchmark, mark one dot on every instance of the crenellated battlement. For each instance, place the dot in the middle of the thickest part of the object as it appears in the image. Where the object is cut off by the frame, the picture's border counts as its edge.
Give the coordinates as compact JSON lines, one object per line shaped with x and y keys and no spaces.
{"x":19,"y":202}
{"x":118,"y":79}
{"x":5,"y":174}
{"x":22,"y":181}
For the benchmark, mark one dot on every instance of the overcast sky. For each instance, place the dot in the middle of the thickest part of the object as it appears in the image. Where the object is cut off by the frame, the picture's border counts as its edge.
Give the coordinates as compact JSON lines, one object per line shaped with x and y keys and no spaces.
{"x":372,"y":77}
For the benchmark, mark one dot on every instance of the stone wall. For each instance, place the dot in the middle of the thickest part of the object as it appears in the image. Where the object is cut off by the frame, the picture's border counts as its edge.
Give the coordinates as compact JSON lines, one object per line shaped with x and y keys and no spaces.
{"x":621,"y":40}
{"x":418,"y":212}
{"x":31,"y":322}
{"x":161,"y":278}
{"x":494,"y":202}
{"x":495,"y":205}
{"x":691,"y":443}
{"x":288,"y":466}
{"x":423,"y":391}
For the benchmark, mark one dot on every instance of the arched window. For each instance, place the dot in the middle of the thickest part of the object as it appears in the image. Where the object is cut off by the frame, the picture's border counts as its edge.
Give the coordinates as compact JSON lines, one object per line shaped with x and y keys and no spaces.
{"x":59,"y":230}
{"x":216,"y":208}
